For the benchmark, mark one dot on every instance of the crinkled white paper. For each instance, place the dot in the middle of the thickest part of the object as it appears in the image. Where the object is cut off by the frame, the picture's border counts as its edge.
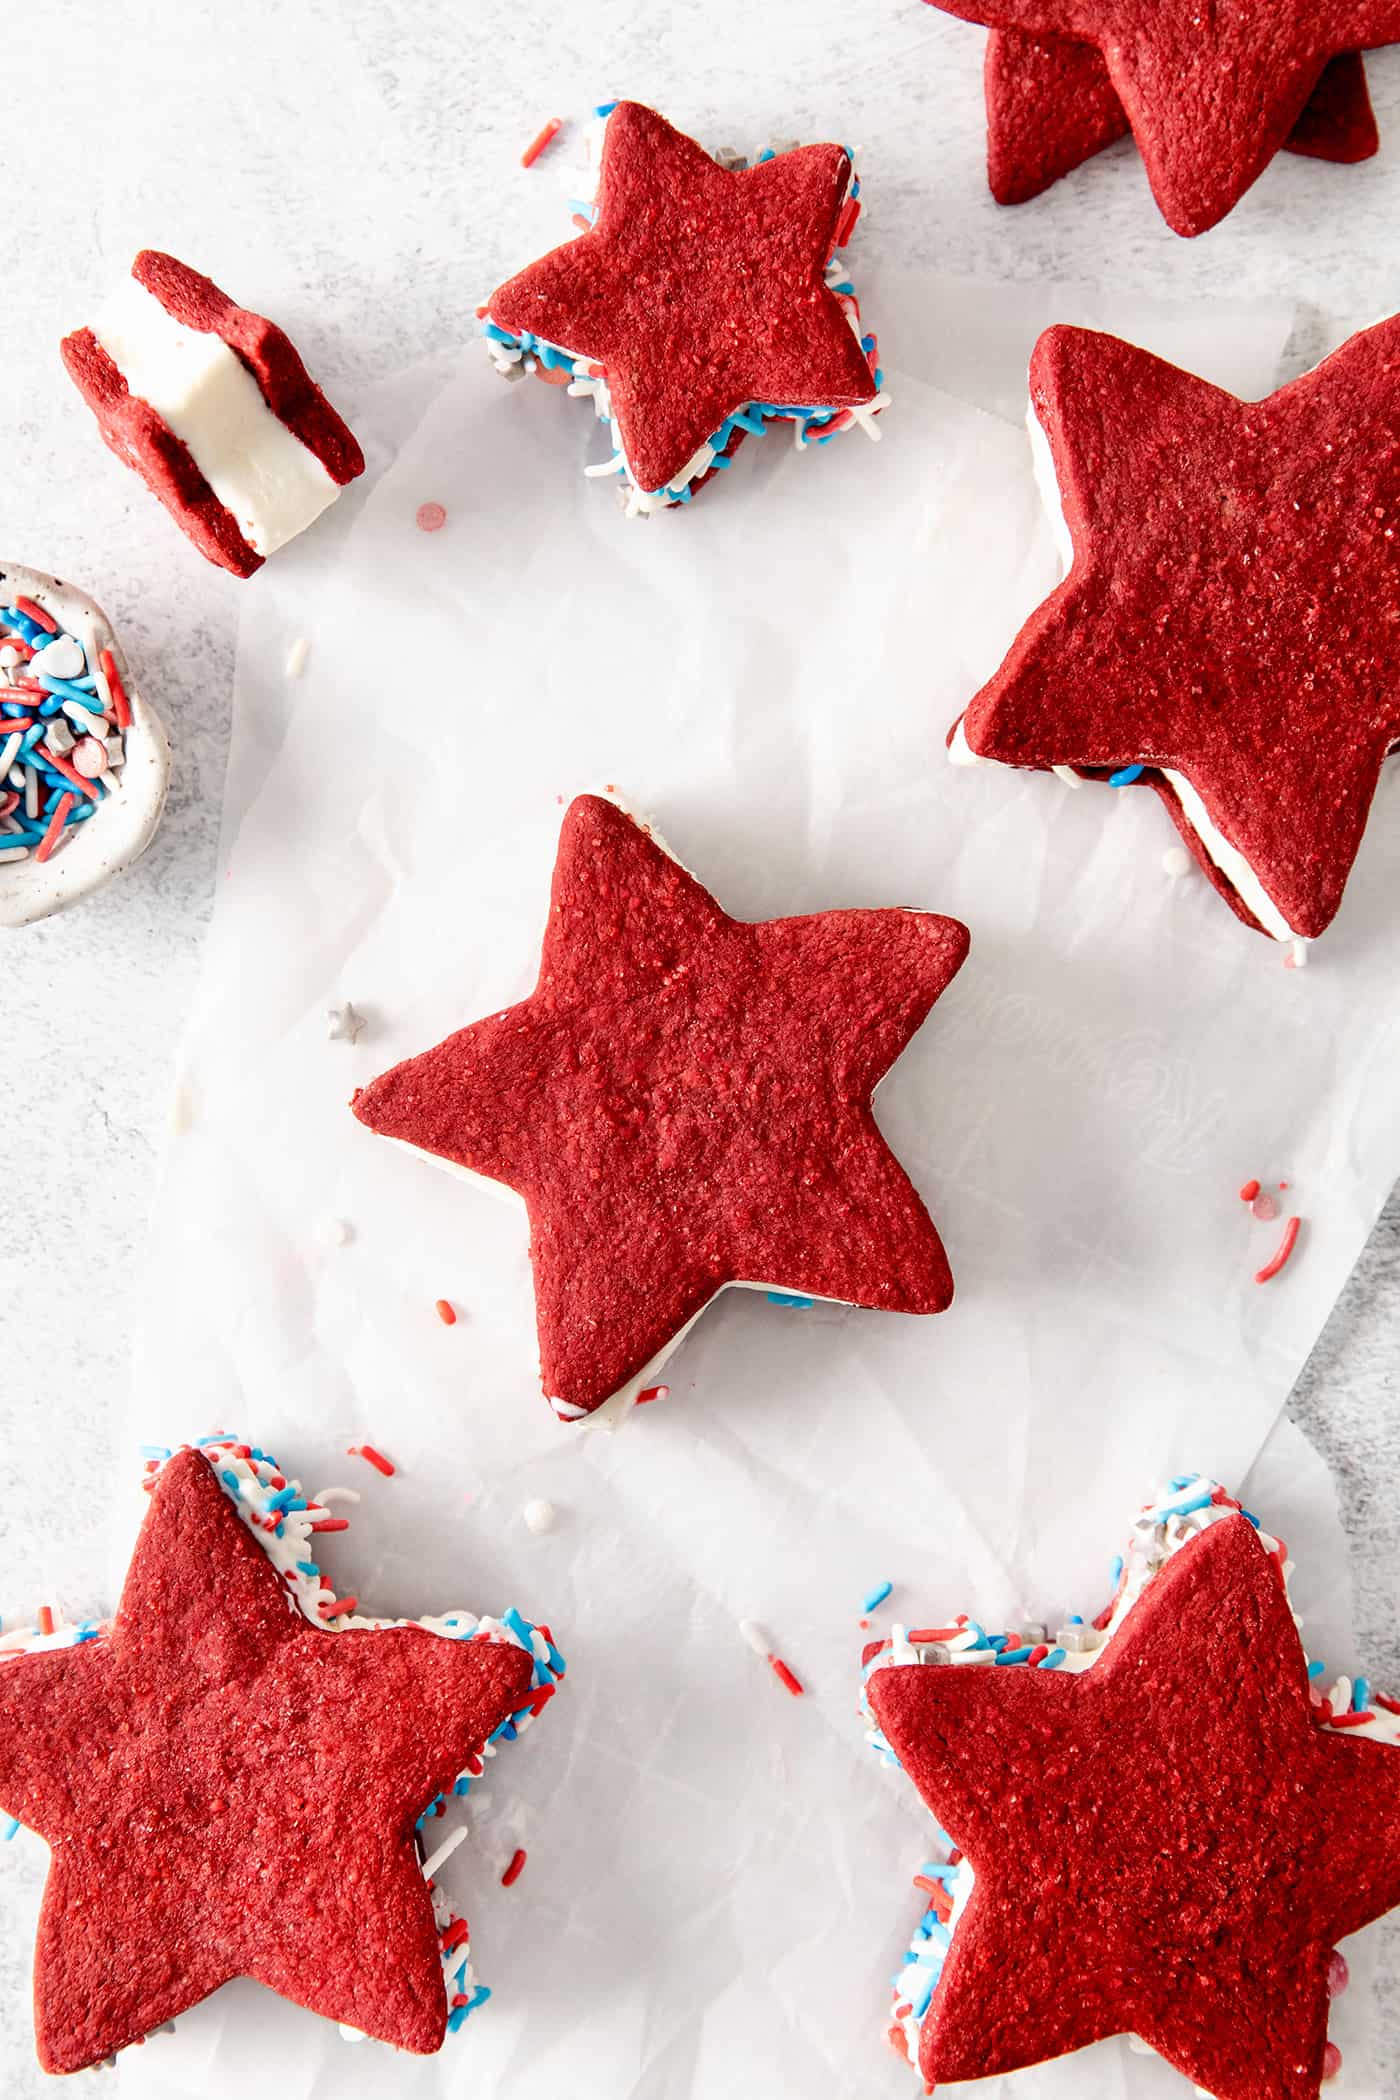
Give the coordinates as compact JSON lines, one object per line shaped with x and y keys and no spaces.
{"x":718,"y":1878}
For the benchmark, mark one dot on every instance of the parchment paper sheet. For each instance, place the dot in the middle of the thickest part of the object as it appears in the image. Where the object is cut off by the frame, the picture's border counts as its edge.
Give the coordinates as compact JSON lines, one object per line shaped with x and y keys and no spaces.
{"x":718,"y":1883}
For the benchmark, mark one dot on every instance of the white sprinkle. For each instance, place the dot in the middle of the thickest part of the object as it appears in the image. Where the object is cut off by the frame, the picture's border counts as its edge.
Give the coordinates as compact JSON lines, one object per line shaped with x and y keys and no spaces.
{"x":1176,"y":861}
{"x":539,"y":1515}
{"x":329,"y":1495}
{"x":344,"y":1023}
{"x":61,"y":658}
{"x":8,"y":853}
{"x":334,"y":1232}
{"x":1298,"y":953}
{"x":59,"y":737}
{"x":444,"y":1851}
{"x":297,"y":655}
{"x":755,"y":1636}
{"x":351,"y":2034}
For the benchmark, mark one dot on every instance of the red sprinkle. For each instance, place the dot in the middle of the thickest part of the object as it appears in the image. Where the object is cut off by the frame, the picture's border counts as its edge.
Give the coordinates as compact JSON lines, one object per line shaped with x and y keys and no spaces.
{"x":532,"y":151}
{"x":583,"y":225}
{"x":56,"y":822}
{"x":1351,"y":1720}
{"x":1037,"y":1654}
{"x":515,"y":1869}
{"x":653,"y":1392}
{"x":446,"y":1312}
{"x":377,"y":1459}
{"x":920,"y":1634}
{"x":37,"y":614}
{"x":1249,"y":1191}
{"x":331,"y":1524}
{"x":455,"y":1934}
{"x":114,"y":685}
{"x":430,"y":517}
{"x":45,"y":1613}
{"x":338,"y":1607}
{"x":785,"y":1676}
{"x":1392,"y":1706}
{"x":1285,"y":1248}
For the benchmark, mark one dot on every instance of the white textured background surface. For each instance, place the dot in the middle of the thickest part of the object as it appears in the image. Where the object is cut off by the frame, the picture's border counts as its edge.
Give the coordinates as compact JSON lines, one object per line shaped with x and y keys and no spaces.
{"x":352,"y":170}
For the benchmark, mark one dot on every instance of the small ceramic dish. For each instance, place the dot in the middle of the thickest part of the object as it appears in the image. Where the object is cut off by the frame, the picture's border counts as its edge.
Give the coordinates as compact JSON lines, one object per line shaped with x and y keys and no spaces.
{"x":81,"y":795}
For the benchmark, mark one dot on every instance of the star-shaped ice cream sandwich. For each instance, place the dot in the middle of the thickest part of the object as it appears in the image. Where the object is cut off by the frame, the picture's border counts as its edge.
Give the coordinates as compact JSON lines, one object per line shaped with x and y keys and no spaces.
{"x":701,"y":302}
{"x":683,"y":1103}
{"x":229,"y":1790}
{"x":1229,"y":628}
{"x":1211,"y":92}
{"x":1160,"y":1828}
{"x":1051,"y":105}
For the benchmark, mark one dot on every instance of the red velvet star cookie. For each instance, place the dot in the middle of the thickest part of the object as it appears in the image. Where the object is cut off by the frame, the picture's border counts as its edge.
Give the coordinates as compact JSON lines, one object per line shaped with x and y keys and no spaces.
{"x":230,"y":1790}
{"x":1211,"y":93}
{"x":1051,"y":105}
{"x":1162,"y":1830}
{"x":697,"y":302}
{"x":683,"y":1103}
{"x":1229,"y":630}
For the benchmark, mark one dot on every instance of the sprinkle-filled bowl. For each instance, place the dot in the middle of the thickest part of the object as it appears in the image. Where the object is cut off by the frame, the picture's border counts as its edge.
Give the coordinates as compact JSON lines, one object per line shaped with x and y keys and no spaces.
{"x":84,"y":761}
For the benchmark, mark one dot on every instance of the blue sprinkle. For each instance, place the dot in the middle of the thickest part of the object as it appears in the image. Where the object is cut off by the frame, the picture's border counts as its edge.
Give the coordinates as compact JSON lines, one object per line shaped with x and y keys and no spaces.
{"x":998,"y":1642}
{"x":1051,"y":1661}
{"x":11,"y":1828}
{"x":1015,"y":1655}
{"x":1316,"y":1669}
{"x":1186,"y":1506}
{"x":604,"y":109}
{"x":66,"y":690}
{"x":230,"y":1481}
{"x":1115,"y":1568}
{"x":309,"y":1567}
{"x":1125,"y":777}
{"x":921,"y":2003}
{"x":1251,"y":1519}
{"x":1361,"y":1695}
{"x":787,"y":1298}
{"x":154,"y":1451}
{"x":877,"y":1596}
{"x":1075,"y":1619}
{"x":521,"y":1628}
{"x":766,"y":154}
{"x":1180,"y":1481}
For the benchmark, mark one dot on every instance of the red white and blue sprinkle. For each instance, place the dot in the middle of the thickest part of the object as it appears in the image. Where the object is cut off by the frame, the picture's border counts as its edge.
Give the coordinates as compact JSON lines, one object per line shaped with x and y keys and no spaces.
{"x":63,"y":718}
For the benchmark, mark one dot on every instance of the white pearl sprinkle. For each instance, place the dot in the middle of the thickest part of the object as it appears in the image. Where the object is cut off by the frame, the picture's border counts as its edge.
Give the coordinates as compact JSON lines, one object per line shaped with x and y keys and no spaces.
{"x":539,"y":1515}
{"x":1176,"y":861}
{"x":297,"y":655}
